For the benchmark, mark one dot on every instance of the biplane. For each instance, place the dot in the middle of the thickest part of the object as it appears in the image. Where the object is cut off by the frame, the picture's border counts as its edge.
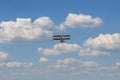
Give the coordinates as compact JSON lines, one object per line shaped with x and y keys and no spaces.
{"x":61,"y":38}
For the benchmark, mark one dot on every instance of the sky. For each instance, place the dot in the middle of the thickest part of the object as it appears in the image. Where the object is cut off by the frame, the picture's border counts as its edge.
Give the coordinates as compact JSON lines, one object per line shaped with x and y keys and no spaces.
{"x":27,"y":51}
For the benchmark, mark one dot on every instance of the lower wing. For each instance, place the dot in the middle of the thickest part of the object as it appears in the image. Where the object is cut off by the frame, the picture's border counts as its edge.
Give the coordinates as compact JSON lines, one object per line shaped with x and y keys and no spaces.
{"x":56,"y":39}
{"x":66,"y":38}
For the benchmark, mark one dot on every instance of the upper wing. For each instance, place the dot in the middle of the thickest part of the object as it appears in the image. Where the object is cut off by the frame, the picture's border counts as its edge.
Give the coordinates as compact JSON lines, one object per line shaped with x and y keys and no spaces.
{"x":61,"y":35}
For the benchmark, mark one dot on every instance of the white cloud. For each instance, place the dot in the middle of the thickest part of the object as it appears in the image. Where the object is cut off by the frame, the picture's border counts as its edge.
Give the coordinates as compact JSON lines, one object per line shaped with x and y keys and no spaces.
{"x":92,"y":52}
{"x":24,"y":29}
{"x":118,"y":64}
{"x":77,"y":66}
{"x":61,"y":27}
{"x":104,"y":44}
{"x":61,"y":49}
{"x":43,"y":59}
{"x":45,"y":23}
{"x":90,"y":64}
{"x":104,"y":41}
{"x":15,"y":64}
{"x":67,"y":64}
{"x":11,"y":64}
{"x":81,"y":20}
{"x":3,"y":56}
{"x":73,"y":61}
{"x":68,"y":61}
{"x":74,"y":65}
{"x":72,"y":48}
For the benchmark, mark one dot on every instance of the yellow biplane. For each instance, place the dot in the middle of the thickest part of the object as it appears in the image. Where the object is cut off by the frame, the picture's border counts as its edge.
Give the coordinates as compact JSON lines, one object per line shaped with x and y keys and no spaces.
{"x":61,"y":38}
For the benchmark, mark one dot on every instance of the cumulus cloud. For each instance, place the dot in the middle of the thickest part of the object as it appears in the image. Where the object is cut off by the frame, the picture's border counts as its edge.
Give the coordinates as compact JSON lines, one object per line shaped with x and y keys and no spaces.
{"x":45,"y":23}
{"x":4,"y":63}
{"x":104,"y":44}
{"x":77,"y":66}
{"x":60,"y":49}
{"x":68,"y":61}
{"x":24,"y":29}
{"x":104,"y":41}
{"x":67,"y":64}
{"x":3,"y":56}
{"x":92,"y":52}
{"x":73,"y":61}
{"x":82,"y":20}
{"x":90,"y":64}
{"x":64,"y":48}
{"x":43,"y":60}
{"x":118,"y":64}
{"x":15,"y":64}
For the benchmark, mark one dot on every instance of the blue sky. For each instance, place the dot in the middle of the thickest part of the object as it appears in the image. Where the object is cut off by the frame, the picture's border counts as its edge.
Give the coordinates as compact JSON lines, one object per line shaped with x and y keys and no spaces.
{"x":28,"y":52}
